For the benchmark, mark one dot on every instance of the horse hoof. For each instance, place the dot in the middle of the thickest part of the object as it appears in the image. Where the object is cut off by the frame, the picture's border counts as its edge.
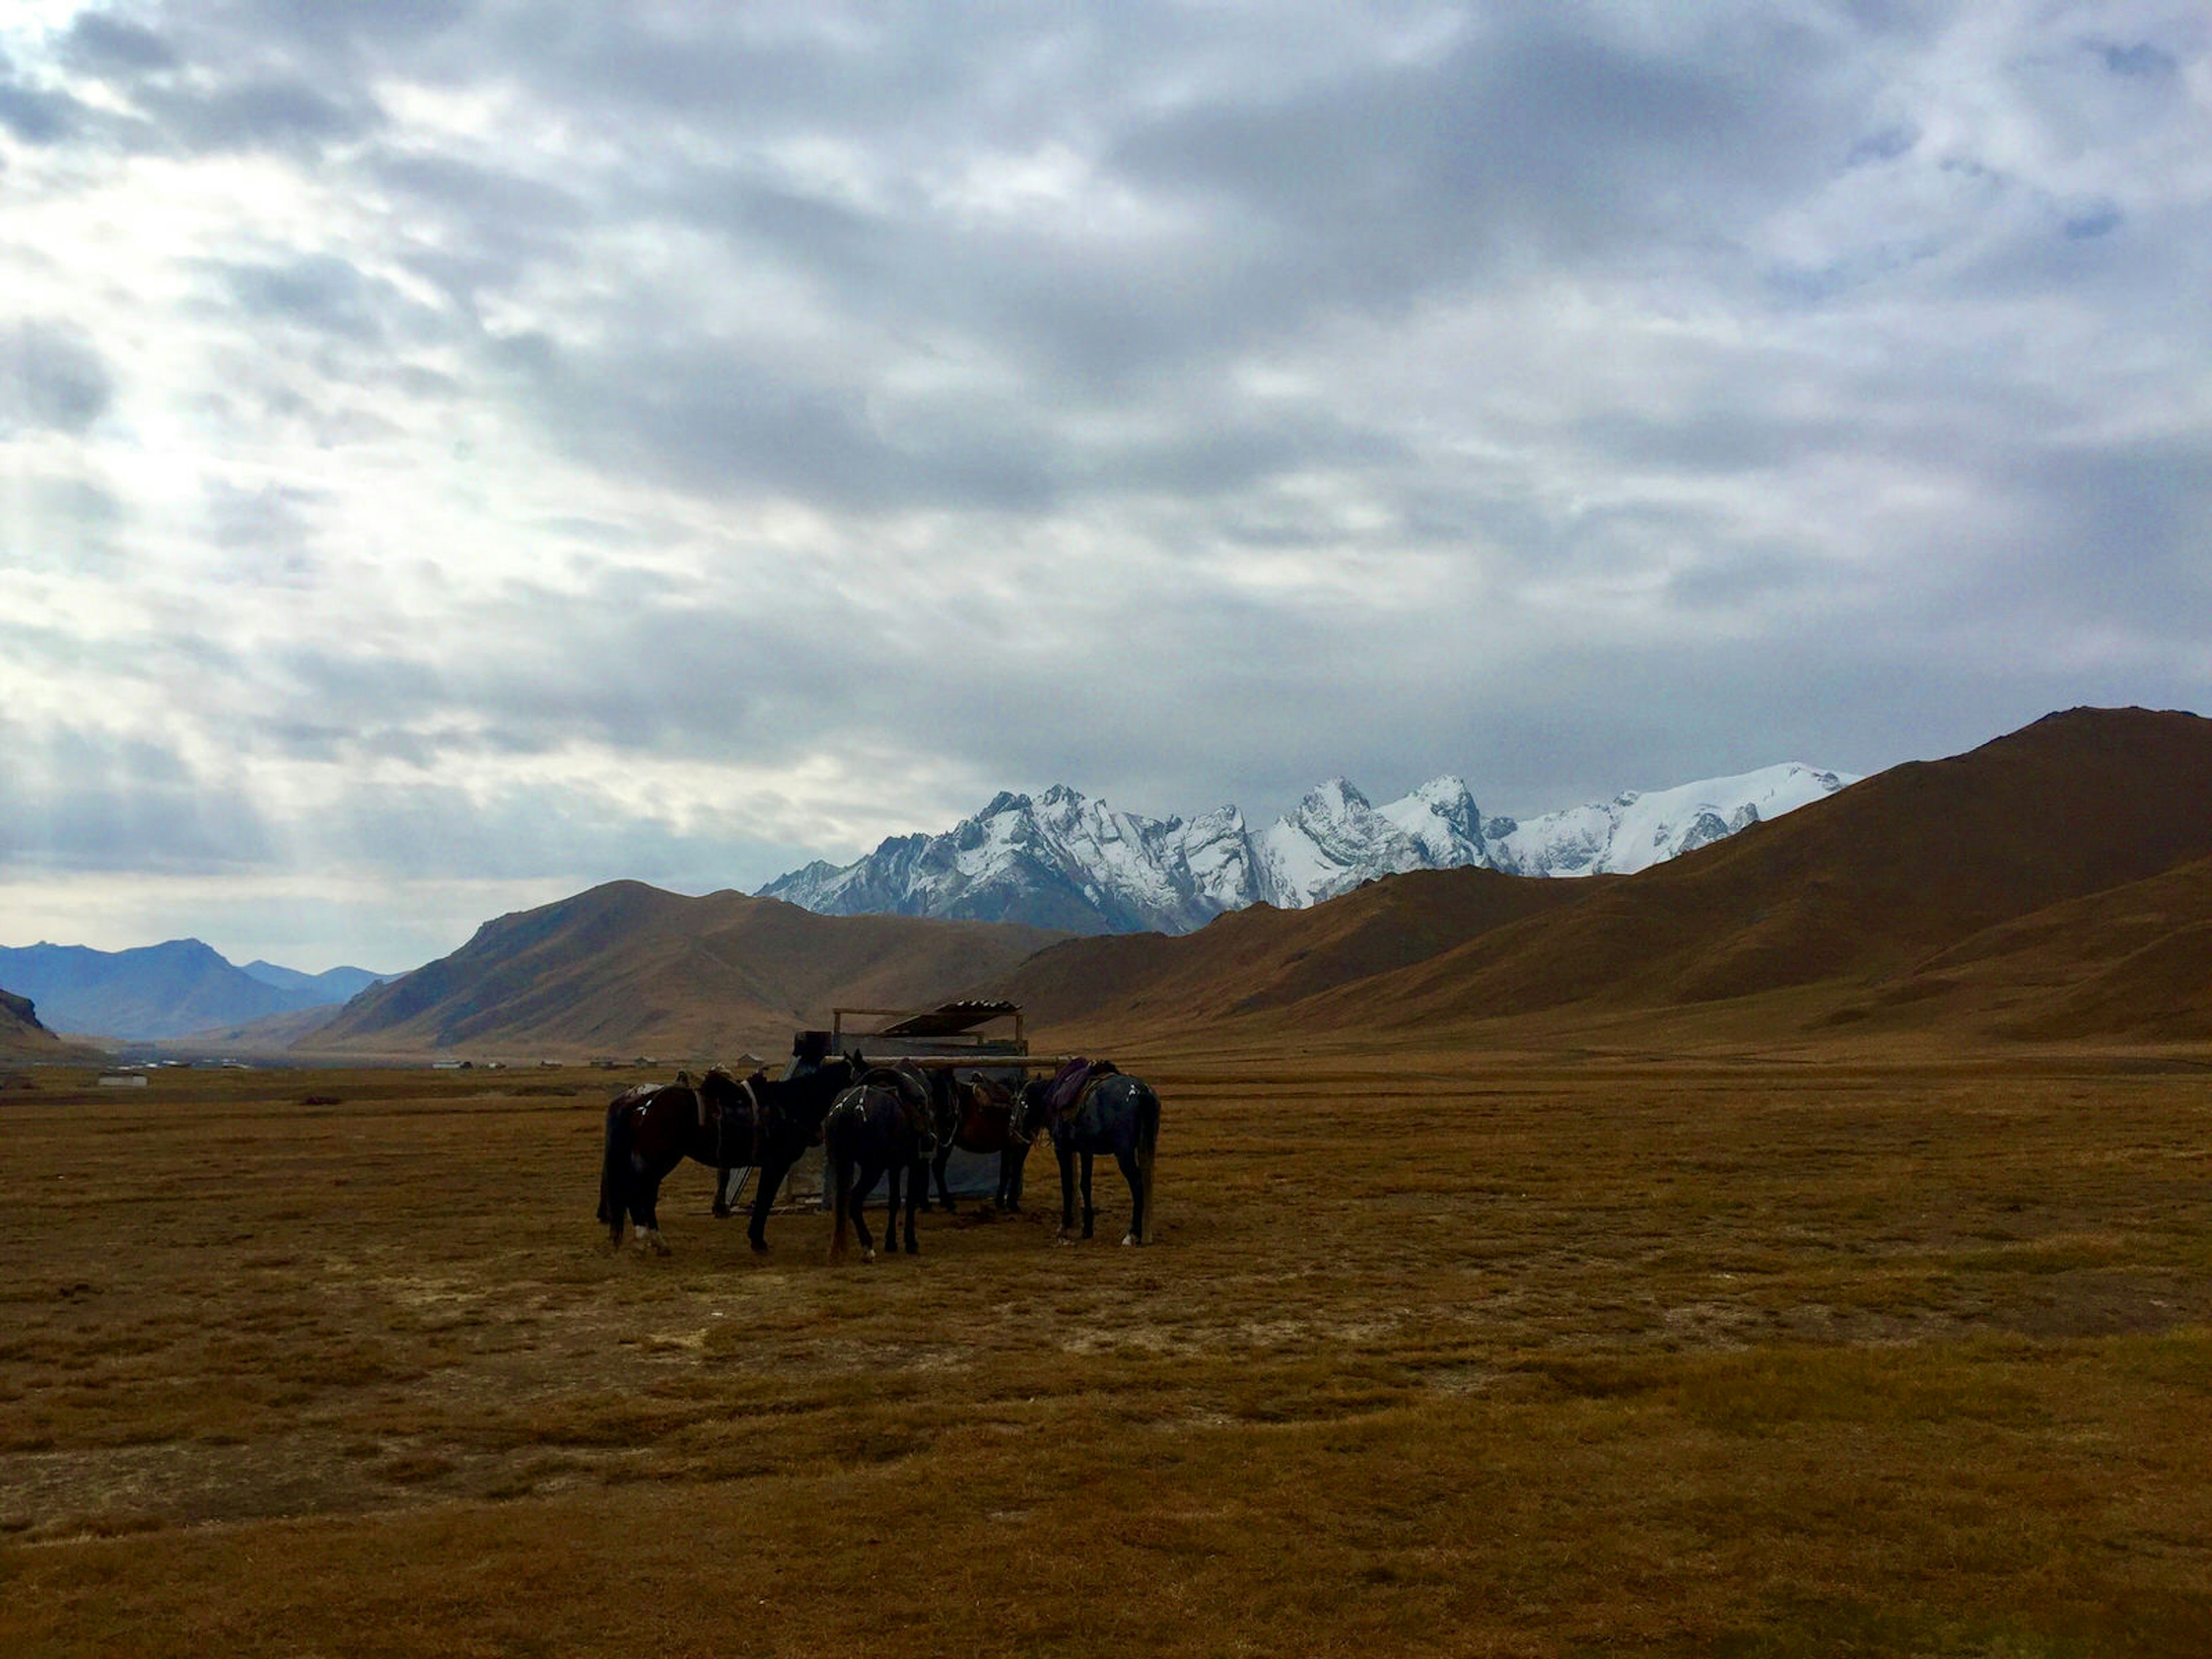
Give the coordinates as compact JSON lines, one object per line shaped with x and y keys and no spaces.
{"x":867,"y":1256}
{"x":760,"y":1247}
{"x":913,"y":1250}
{"x":1129,"y":1238}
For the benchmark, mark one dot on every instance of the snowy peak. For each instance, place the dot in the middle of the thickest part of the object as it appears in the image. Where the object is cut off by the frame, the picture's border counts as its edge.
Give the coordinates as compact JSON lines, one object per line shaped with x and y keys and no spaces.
{"x":1334,"y":839}
{"x":1442,"y":820}
{"x":1064,"y":860}
{"x":1635,"y":831}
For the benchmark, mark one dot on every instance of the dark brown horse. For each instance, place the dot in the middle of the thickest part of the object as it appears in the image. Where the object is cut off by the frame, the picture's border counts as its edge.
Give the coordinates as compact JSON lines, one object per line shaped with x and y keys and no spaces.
{"x":885,"y":1129}
{"x":719,"y":1121}
{"x":981,"y":1115}
{"x":1092,"y":1106}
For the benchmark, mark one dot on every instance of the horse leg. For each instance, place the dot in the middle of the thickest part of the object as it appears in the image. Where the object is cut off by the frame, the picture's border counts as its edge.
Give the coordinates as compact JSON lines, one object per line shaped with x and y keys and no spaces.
{"x":917,"y":1185}
{"x":944,"y":1192}
{"x":1126,"y":1157}
{"x":771,"y":1179}
{"x":1067,"y":1193}
{"x":721,"y":1208}
{"x":836,"y":1175}
{"x":857,"y":1201}
{"x":1090,"y":1215}
{"x":644,"y":1206}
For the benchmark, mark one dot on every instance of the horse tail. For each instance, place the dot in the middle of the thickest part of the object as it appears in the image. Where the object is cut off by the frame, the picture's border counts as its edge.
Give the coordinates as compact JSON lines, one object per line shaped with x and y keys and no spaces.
{"x":614,"y":1183}
{"x":1148,"y":1140}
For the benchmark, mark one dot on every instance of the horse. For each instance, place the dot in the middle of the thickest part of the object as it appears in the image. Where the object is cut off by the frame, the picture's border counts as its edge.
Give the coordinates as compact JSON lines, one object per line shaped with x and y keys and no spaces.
{"x":882,"y":1127}
{"x":719,"y":1121}
{"x":1090,"y":1108}
{"x":809,"y":1050}
{"x":981,"y":1115}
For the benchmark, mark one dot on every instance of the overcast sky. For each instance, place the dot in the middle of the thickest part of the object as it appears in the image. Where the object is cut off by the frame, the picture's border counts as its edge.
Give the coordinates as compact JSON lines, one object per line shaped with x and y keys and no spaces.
{"x":451,"y":454}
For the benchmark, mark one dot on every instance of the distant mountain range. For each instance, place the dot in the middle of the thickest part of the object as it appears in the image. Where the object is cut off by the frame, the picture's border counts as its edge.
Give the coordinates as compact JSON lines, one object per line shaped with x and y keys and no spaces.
{"x":2051,"y":886}
{"x":2054,"y":885}
{"x":1062,"y":859}
{"x":164,"y":991}
{"x":626,"y":967}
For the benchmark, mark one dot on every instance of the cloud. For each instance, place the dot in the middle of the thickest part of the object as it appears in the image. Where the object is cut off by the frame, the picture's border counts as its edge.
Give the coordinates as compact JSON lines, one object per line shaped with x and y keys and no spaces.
{"x":51,"y":375}
{"x":463,"y":449}
{"x":102,"y":43}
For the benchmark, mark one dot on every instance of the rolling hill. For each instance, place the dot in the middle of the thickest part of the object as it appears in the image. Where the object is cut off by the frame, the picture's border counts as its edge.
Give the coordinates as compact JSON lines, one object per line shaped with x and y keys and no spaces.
{"x":22,"y":1036}
{"x":626,"y":967}
{"x":1861,"y":893}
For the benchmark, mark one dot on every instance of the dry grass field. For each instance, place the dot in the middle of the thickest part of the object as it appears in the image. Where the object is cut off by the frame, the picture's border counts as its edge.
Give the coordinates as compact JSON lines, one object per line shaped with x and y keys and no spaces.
{"x":1843,"y":1353}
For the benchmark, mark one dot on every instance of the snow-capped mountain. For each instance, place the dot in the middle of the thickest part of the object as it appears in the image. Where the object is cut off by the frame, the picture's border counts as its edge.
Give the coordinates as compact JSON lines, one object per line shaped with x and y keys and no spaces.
{"x":1633,"y":831}
{"x":1059,"y":860}
{"x":1333,"y":840}
{"x":1062,"y":859}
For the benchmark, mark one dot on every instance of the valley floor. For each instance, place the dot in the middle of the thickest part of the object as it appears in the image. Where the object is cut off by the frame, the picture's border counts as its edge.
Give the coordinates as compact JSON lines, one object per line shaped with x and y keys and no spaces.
{"x":1545,"y":1354}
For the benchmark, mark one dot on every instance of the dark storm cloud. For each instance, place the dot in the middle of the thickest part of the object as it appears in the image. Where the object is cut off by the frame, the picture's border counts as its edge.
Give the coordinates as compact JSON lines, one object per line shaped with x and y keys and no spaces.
{"x":1529,"y":132}
{"x":489,"y":198}
{"x":717,"y":421}
{"x":2142,"y":58}
{"x":103,"y":43}
{"x":36,"y":115}
{"x":277,"y":111}
{"x":51,"y":375}
{"x":320,"y":292}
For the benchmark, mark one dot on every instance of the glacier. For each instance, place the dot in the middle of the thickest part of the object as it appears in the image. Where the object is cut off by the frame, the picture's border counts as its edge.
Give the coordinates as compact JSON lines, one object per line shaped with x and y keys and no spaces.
{"x":1062,"y":858}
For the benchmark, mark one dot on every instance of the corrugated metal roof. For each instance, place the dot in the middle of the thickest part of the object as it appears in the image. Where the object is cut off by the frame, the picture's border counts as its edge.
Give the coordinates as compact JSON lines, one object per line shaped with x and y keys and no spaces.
{"x":949,"y":1019}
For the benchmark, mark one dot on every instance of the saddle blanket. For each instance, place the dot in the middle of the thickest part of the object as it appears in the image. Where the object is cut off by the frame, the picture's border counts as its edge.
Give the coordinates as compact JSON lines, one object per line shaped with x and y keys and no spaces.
{"x":1063,"y":1096}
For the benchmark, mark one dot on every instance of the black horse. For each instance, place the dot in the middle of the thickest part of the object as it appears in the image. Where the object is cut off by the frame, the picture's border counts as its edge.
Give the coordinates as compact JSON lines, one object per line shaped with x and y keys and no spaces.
{"x":810,"y":1052}
{"x":979,"y":1116}
{"x":883,"y":1128}
{"x":720,"y":1121}
{"x":1090,"y":1108}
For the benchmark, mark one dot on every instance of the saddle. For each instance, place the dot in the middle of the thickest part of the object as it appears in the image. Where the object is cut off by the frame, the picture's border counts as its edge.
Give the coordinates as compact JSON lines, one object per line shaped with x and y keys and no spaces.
{"x":911,"y":1092}
{"x":1063,"y":1096}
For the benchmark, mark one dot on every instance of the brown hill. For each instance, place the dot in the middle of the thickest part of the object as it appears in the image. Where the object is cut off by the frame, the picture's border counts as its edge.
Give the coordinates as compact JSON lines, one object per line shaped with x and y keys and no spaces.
{"x":1869,"y":882}
{"x":21,"y":1036}
{"x":1253,"y":961}
{"x":1854,"y":891}
{"x":626,"y":967}
{"x":2131,"y":961}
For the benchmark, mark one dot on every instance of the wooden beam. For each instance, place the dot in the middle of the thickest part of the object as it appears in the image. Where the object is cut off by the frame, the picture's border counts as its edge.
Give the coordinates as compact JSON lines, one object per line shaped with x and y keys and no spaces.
{"x":973,"y":1062}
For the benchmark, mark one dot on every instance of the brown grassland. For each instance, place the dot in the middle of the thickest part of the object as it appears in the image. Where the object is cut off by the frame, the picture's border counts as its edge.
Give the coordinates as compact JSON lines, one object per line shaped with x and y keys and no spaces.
{"x":1860,"y":1350}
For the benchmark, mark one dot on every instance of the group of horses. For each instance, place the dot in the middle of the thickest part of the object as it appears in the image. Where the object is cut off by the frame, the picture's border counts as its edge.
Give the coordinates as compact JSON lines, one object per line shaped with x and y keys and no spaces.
{"x":895,"y":1123}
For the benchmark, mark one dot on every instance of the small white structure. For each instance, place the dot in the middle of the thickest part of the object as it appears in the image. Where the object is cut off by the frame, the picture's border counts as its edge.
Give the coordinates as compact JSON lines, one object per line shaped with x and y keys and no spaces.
{"x":123,"y":1080}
